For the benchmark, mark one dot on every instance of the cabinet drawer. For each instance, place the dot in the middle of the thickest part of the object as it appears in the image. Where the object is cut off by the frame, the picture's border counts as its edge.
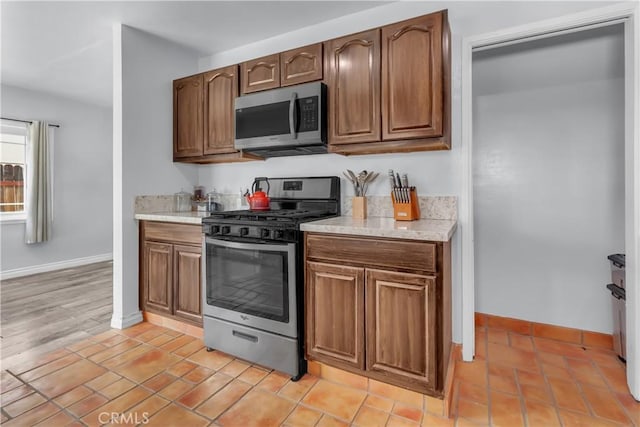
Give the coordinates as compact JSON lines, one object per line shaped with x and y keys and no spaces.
{"x":372,"y":251}
{"x":171,"y":232}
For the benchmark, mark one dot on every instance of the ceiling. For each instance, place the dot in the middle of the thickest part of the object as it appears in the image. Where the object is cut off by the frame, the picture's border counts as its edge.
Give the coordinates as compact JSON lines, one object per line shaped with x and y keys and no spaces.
{"x":64,"y":48}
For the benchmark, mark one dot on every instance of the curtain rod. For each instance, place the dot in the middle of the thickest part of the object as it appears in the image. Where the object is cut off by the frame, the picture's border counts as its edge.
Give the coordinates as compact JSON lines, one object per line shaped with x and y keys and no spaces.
{"x":25,"y":121}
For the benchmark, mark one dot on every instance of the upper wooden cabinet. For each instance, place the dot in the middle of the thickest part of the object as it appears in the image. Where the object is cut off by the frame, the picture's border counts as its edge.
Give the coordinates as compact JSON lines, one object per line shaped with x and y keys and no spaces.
{"x":353,"y":81}
{"x":412,"y":83}
{"x":301,"y":65}
{"x":220,"y":91}
{"x":288,"y":68}
{"x":260,"y":74}
{"x":389,"y":89}
{"x":203,"y":122}
{"x":188,"y":132}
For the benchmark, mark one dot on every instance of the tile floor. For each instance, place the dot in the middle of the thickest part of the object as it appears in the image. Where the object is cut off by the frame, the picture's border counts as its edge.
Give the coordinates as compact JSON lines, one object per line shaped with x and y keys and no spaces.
{"x":150,"y":375}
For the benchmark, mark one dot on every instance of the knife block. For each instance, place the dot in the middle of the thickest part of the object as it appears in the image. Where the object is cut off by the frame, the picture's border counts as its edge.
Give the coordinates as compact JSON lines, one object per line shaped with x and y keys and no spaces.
{"x":406,"y":211}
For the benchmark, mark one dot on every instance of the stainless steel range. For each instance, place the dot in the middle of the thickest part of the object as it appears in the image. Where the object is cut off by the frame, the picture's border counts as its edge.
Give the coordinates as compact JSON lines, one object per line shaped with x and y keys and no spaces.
{"x":253,"y":274}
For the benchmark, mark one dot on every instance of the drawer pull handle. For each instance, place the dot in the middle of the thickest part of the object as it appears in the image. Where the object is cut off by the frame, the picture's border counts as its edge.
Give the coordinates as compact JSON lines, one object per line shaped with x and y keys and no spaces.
{"x":244,"y":336}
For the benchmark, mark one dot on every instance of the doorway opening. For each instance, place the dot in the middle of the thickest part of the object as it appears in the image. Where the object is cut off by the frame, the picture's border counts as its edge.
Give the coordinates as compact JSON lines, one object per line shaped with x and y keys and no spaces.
{"x":625,"y":15}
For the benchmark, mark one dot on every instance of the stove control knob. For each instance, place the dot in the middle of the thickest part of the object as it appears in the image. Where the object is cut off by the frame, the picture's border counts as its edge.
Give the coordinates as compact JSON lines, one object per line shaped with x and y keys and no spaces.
{"x":226,"y":229}
{"x":215,"y":229}
{"x":264,"y":232}
{"x":278,"y":234}
{"x":244,"y":231}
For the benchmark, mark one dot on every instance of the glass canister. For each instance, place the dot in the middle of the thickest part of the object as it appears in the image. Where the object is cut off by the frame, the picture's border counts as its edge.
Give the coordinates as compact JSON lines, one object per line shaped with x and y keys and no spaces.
{"x":213,"y":201}
{"x":182,"y":201}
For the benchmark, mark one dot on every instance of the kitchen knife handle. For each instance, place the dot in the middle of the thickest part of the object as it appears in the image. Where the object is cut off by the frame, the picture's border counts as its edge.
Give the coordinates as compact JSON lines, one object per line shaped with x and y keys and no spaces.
{"x":405,"y":180}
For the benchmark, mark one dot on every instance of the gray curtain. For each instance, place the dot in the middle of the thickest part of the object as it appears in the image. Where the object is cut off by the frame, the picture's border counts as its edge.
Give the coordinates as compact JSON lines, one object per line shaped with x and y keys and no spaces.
{"x":39,"y":179}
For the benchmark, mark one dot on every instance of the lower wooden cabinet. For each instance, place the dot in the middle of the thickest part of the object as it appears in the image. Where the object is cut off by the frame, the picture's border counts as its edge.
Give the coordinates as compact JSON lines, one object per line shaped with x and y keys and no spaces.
{"x":365,"y":316}
{"x":335,"y":313}
{"x":401,"y":326}
{"x":187,"y":279}
{"x":158,"y":276}
{"x":170,"y":270}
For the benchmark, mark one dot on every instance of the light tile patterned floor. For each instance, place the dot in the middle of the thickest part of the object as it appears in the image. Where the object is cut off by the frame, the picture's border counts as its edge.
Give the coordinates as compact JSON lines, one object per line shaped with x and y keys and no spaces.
{"x":154,"y":376}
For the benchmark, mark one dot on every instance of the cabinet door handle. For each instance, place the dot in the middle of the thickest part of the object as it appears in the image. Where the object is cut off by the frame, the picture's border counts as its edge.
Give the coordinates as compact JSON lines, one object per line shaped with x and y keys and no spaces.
{"x":244,"y":336}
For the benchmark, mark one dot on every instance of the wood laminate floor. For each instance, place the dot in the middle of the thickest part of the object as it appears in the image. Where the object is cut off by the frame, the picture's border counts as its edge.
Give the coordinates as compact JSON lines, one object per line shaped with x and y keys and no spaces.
{"x":46,"y":311}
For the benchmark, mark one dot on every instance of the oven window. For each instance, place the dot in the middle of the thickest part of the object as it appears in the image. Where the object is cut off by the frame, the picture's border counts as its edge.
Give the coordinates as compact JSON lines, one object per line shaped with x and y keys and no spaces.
{"x":248,"y":281}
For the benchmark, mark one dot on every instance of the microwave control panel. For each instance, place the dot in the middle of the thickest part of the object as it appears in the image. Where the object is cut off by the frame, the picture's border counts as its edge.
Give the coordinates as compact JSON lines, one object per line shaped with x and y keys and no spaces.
{"x":308,"y":108}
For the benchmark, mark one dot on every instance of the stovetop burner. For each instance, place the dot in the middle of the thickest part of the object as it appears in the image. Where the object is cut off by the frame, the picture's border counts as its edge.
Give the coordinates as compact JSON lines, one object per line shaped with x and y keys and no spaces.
{"x":271,"y":215}
{"x":293,"y":201}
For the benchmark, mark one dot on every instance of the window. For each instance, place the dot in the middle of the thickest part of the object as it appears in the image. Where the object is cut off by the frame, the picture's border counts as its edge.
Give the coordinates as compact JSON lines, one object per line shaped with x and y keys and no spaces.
{"x":12,"y":171}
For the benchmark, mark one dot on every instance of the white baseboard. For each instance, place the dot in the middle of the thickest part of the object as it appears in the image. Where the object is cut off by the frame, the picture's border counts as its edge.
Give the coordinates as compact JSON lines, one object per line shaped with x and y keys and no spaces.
{"x":126,"y":321}
{"x":43,"y":268}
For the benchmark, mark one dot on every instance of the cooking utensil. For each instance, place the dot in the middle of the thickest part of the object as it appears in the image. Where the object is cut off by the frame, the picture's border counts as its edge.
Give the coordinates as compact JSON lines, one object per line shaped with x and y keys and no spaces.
{"x":361,"y":181}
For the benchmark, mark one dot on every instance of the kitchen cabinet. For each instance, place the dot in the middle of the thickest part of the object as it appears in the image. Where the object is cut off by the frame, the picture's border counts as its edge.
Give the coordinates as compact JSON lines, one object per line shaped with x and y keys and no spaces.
{"x":380,"y":307}
{"x":220,"y":92}
{"x":401,"y":326}
{"x":260,"y":74}
{"x":353,"y":83}
{"x":158,"y":274}
{"x":188,"y":128}
{"x":335,"y":311}
{"x":203,"y":118}
{"x":301,"y":65}
{"x":295,"y":66}
{"x":170,"y":270}
{"x":389,"y":88}
{"x":412,"y":83}
{"x":187,"y":279}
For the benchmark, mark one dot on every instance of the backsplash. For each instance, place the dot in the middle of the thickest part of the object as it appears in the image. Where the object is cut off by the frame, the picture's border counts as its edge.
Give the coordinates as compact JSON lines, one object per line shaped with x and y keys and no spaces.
{"x":431,"y":207}
{"x":153,"y":204}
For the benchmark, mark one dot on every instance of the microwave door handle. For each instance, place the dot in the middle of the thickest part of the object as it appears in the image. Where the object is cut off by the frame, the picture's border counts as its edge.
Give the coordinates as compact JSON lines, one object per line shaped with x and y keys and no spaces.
{"x":292,"y":115}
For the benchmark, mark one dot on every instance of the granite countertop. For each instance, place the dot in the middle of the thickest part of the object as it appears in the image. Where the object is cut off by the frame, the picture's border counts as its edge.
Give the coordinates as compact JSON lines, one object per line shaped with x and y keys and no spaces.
{"x":425,"y":229}
{"x":187,"y":217}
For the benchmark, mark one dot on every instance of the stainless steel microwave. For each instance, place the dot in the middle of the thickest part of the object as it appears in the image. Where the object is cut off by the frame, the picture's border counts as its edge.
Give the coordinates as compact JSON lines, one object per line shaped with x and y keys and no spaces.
{"x":289,"y":121}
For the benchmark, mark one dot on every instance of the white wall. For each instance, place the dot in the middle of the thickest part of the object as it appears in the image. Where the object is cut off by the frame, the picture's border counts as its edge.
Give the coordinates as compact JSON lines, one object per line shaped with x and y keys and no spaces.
{"x":549,"y":177}
{"x":144,"y":68}
{"x":433,"y":172}
{"x":82,"y":181}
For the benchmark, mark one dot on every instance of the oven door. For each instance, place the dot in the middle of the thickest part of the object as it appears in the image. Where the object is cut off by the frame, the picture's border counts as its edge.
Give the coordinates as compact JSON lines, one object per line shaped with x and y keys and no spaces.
{"x":252,"y":284}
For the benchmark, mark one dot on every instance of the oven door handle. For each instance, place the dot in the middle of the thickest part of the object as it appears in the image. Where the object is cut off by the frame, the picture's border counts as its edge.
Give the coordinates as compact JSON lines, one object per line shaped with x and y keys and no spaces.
{"x":285,"y":247}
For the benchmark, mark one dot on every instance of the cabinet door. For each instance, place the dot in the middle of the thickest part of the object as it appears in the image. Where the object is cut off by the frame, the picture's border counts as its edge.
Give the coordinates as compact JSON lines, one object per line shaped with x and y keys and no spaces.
{"x":301,"y":65}
{"x":220,"y":91}
{"x":260,"y":74}
{"x":187,"y":286}
{"x":352,"y":65}
{"x":158,"y":277}
{"x":412,"y":78}
{"x":188,"y":132}
{"x":335,"y":314}
{"x":401,"y":327}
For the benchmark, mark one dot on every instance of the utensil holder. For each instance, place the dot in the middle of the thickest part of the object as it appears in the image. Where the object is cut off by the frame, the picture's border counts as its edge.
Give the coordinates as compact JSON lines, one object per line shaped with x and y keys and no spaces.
{"x":403,"y":211}
{"x":359,"y":207}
